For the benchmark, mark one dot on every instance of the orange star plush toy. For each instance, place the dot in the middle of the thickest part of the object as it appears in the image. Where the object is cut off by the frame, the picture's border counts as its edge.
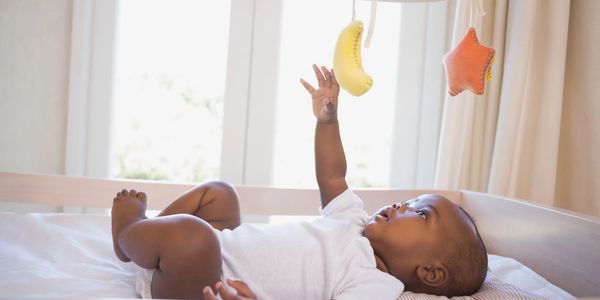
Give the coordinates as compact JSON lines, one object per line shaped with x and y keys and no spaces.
{"x":467,"y":64}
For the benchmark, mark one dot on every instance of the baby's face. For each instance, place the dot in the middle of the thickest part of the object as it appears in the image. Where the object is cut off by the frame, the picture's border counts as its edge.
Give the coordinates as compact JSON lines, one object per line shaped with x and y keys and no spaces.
{"x":414,"y":232}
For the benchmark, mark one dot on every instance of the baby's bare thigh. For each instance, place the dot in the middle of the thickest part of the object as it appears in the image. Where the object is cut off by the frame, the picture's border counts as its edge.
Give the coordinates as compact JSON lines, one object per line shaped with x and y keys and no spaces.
{"x":190,"y":260}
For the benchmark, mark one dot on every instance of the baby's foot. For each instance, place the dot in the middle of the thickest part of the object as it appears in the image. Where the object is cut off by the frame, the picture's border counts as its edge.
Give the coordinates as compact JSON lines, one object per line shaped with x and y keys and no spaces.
{"x":128,"y":207}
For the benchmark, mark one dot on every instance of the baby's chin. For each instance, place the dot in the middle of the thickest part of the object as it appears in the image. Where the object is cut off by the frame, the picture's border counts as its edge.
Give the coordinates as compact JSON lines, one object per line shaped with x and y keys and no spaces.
{"x":372,"y":218}
{"x":370,"y":229}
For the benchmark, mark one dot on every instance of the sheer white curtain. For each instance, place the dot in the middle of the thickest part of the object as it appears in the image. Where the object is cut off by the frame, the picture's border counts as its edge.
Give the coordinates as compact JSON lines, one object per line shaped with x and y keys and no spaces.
{"x":506,"y":142}
{"x":578,"y":182}
{"x":90,"y":88}
{"x":419,"y":89}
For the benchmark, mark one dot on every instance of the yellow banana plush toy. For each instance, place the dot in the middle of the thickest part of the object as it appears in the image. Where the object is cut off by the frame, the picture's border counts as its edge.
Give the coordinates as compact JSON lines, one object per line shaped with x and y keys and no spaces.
{"x":347,"y":61}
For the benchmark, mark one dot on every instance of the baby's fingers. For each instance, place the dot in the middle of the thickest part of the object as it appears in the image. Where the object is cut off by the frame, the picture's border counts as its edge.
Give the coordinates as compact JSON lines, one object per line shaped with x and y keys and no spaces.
{"x":328,"y":76}
{"x":319,"y":75}
{"x":242,"y":288}
{"x":208,"y":295}
{"x":307,"y":86}
{"x":333,"y":79}
{"x":225,"y":294}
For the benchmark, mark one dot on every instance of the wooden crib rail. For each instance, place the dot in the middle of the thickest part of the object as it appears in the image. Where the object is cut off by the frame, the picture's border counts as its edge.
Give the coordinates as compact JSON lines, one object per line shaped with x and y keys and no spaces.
{"x":258,"y":200}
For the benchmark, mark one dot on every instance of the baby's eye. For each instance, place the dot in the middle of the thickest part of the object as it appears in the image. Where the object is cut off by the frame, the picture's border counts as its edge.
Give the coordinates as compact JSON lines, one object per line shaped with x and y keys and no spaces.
{"x":422,"y":213}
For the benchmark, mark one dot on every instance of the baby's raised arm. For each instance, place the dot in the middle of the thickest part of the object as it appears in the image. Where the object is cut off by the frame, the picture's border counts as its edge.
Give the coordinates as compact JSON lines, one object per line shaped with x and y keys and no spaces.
{"x":330,"y":160}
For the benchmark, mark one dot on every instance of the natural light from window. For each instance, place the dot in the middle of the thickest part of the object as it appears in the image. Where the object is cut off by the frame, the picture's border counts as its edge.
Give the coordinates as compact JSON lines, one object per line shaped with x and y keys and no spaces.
{"x":309,"y":32}
{"x":171,"y":62}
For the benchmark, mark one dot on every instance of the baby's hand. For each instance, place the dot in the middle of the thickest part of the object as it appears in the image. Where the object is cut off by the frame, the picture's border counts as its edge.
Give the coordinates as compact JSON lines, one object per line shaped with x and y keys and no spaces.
{"x":325,"y":98}
{"x":243,"y":291}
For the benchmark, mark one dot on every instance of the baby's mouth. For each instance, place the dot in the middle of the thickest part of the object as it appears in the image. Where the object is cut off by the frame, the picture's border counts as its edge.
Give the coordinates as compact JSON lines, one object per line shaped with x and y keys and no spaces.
{"x":382,"y":215}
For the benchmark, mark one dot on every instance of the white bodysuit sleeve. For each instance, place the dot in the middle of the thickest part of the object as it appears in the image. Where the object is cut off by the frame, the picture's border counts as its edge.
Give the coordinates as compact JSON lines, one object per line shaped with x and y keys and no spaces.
{"x":346,"y":203}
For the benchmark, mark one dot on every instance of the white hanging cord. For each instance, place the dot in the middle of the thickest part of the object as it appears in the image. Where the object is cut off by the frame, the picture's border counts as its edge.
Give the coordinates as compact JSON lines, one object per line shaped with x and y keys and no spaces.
{"x":477,"y":7}
{"x":371,"y":23}
{"x":353,"y":10}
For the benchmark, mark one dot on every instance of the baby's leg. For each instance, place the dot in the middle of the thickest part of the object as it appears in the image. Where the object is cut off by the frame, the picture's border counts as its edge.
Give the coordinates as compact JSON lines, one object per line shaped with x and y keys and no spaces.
{"x":216,"y":202}
{"x":183,"y":249}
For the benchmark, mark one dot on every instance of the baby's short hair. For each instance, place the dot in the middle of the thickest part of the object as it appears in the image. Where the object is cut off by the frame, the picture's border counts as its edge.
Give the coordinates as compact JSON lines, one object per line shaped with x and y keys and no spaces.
{"x":467,"y":265}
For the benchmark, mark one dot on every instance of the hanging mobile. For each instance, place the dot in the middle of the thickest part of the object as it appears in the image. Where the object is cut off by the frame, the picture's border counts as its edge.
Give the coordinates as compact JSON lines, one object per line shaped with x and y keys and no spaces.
{"x":468,"y":65}
{"x":347,"y":60}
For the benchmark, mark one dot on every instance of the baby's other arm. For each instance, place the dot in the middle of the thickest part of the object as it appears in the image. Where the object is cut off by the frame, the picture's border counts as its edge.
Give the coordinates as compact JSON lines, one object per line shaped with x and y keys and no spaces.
{"x":330,"y":160}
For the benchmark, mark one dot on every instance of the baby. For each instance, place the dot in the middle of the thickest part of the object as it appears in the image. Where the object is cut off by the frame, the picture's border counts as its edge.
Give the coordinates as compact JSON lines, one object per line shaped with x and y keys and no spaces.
{"x":426,"y":245}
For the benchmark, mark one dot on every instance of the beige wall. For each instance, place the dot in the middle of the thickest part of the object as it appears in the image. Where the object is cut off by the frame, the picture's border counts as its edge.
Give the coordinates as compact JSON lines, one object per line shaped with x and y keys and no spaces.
{"x":34,"y":73}
{"x":578,"y":182}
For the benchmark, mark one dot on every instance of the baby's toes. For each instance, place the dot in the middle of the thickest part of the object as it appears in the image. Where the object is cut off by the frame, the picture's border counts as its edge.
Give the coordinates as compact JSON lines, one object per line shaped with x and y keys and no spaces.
{"x":142,"y":196}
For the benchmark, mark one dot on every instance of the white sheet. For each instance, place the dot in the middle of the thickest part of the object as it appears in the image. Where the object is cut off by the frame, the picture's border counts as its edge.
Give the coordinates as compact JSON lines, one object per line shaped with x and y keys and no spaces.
{"x":61,"y":256}
{"x":70,"y":256}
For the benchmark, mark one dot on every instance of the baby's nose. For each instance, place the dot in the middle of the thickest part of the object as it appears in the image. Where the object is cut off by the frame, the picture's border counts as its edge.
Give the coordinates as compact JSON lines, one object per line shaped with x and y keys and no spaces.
{"x":400,"y":207}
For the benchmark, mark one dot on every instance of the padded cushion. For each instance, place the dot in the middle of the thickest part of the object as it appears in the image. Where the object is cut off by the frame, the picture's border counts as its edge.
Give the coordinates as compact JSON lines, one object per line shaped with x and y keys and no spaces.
{"x":506,"y":279}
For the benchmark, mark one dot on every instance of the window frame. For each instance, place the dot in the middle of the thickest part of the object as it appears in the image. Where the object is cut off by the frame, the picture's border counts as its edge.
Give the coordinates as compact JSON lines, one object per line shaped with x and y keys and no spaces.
{"x":250,"y":95}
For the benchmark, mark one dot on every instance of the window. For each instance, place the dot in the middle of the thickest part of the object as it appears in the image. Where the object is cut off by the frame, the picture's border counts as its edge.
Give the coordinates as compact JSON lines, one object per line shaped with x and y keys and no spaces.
{"x":210,"y":90}
{"x":311,"y":29}
{"x":169,"y":86}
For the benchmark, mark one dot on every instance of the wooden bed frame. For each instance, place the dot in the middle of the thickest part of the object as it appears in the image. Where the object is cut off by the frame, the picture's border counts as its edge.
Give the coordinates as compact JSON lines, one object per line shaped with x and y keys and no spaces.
{"x":561,"y":246}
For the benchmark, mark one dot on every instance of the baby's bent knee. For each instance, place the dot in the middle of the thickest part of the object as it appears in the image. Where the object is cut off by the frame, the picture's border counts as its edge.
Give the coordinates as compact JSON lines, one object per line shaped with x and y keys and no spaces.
{"x":220,"y":186}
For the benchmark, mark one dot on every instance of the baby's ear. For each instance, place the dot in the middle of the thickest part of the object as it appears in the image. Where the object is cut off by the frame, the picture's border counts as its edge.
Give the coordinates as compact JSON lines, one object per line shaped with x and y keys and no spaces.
{"x":434,"y":274}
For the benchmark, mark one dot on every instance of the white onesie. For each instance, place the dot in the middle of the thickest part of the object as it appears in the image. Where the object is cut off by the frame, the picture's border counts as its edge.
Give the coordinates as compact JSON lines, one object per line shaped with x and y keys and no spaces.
{"x":326,"y":258}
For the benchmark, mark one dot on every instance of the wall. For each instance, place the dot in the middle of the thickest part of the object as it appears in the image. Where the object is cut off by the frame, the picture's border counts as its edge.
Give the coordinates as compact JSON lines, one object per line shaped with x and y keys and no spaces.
{"x":34,"y":71}
{"x":578,"y":182}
